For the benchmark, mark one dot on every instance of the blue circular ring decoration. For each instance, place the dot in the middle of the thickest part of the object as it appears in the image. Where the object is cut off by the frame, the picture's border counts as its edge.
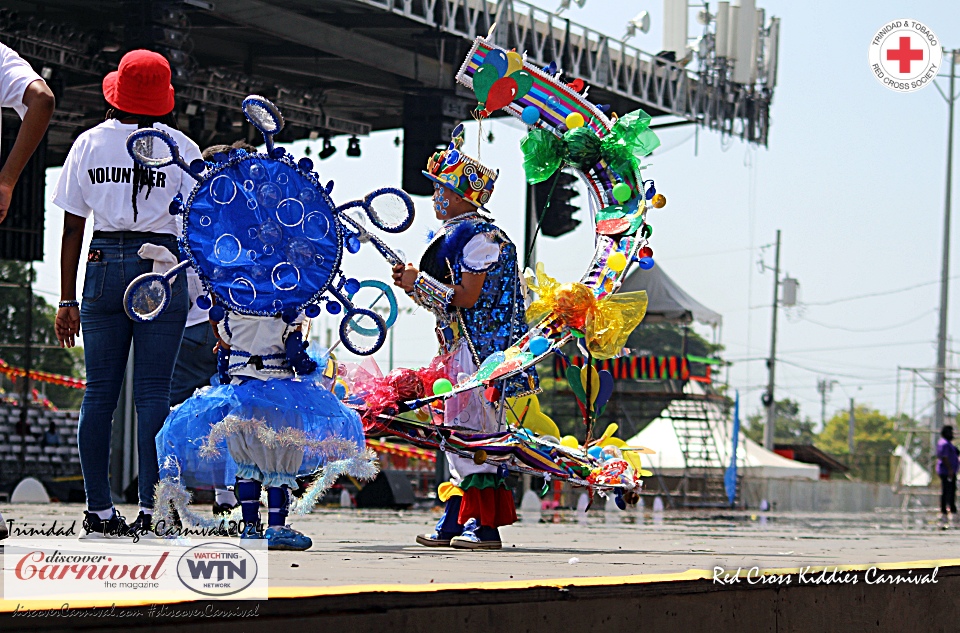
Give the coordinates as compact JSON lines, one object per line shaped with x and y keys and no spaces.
{"x":346,"y":328}
{"x":139,"y":285}
{"x":391,"y":304}
{"x":403,"y":204}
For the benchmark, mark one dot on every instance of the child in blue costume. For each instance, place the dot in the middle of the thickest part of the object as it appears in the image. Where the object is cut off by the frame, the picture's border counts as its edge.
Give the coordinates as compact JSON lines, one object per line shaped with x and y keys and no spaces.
{"x":469,"y":278}
{"x":272,"y":418}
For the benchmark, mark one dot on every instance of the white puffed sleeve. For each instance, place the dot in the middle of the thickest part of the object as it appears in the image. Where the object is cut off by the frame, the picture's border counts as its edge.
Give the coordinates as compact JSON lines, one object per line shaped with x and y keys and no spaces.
{"x":480,"y":253}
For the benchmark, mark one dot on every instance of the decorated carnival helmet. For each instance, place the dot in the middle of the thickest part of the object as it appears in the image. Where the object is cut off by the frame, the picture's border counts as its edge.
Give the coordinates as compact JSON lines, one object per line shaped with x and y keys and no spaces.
{"x":460,"y":173}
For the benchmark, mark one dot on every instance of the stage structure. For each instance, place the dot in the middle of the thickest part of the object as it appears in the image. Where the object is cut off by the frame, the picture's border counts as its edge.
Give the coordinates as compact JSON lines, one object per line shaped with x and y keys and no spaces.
{"x":349,"y":67}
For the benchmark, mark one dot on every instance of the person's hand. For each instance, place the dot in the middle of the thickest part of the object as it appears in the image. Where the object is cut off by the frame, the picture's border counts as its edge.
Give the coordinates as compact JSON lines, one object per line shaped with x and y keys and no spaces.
{"x":6,"y":193}
{"x":67,"y":326}
{"x":405,"y":277}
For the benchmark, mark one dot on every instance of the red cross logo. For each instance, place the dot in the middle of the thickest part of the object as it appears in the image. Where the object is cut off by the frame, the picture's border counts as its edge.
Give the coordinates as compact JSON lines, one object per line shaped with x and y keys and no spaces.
{"x":905,"y":54}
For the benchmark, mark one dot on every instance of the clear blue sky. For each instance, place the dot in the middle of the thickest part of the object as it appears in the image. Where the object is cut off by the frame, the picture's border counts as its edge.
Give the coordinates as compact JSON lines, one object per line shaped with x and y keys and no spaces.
{"x":853,"y":176}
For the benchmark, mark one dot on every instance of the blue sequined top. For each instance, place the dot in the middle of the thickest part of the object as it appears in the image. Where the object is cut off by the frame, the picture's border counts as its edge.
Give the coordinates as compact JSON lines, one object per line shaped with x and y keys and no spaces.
{"x":497,"y":319}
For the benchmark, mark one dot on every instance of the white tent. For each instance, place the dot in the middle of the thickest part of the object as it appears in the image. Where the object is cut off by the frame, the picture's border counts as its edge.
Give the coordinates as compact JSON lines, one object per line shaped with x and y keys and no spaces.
{"x":911,"y":473}
{"x":752,"y":459}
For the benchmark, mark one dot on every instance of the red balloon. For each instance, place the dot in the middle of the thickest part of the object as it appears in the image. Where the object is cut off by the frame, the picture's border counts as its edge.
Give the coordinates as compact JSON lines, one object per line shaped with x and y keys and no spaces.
{"x":646,"y":251}
{"x":502,"y":92}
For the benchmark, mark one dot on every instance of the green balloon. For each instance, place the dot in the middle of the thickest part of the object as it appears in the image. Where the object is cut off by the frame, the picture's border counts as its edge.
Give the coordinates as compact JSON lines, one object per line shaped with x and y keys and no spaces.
{"x":524,"y":82}
{"x":483,"y":79}
{"x":622,"y":192}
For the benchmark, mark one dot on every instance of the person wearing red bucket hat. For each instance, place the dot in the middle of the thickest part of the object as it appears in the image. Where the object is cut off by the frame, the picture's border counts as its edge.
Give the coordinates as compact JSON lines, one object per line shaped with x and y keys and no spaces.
{"x":133,"y":233}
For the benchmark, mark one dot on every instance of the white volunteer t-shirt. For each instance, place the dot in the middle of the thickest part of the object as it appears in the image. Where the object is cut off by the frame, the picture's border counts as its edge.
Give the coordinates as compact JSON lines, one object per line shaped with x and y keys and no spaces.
{"x":97,"y":178}
{"x":15,"y":75}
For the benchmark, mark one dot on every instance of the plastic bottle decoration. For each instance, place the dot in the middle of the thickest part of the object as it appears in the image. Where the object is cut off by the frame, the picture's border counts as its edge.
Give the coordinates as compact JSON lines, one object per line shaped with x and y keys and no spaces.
{"x":266,"y":238}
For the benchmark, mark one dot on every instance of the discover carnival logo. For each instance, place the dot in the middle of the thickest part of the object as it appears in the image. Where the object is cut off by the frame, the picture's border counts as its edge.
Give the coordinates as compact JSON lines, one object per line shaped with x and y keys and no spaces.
{"x":905,"y":55}
{"x":116,"y":570}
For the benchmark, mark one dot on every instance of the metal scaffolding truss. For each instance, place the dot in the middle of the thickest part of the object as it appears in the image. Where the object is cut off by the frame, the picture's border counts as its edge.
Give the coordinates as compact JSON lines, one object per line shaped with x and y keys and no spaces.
{"x":706,"y":96}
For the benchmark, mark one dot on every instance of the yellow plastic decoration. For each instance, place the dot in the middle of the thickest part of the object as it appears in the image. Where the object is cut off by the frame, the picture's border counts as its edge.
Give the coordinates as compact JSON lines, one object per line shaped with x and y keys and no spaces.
{"x":569,"y":441}
{"x":606,"y":323}
{"x":608,"y":433}
{"x":511,"y":352}
{"x":514,"y":63}
{"x":594,"y":382}
{"x":525,"y":412}
{"x":447,"y":490}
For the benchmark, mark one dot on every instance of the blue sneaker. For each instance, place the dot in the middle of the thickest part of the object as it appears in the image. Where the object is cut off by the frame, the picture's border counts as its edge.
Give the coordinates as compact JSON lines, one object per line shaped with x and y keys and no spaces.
{"x":476,"y":536}
{"x":251,"y":531}
{"x":284,"y":537}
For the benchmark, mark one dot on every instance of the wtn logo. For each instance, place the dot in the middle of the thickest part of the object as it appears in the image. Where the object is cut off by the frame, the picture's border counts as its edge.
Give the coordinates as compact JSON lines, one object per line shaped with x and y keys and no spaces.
{"x":224,"y":569}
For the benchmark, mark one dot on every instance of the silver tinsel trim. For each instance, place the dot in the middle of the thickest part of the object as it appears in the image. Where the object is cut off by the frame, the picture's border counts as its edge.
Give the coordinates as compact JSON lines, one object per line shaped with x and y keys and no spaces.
{"x":333,"y":448}
{"x":364,"y":466}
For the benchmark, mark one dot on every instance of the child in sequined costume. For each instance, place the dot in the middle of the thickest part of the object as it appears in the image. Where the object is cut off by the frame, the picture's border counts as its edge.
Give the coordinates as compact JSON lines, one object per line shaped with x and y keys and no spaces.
{"x":469,"y":278}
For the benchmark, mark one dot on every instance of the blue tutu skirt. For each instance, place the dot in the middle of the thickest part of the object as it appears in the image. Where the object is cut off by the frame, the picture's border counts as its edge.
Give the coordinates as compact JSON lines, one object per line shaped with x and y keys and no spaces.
{"x":271,"y":431}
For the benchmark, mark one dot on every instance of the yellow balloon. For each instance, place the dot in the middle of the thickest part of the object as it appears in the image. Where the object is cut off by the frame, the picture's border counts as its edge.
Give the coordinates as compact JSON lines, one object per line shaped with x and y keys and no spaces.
{"x":514,"y":62}
{"x":617,"y":262}
{"x":594,"y":382}
{"x":574,"y":120}
{"x":569,"y":441}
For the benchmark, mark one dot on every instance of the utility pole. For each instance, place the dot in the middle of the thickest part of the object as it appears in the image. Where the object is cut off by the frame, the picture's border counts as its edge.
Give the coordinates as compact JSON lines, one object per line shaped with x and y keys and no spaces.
{"x":771,"y":401}
{"x":941,"y":370}
{"x":851,"y":429}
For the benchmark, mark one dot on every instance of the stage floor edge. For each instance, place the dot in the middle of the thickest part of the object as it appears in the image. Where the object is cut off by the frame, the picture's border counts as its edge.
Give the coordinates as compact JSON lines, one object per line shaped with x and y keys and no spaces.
{"x":691,"y":601}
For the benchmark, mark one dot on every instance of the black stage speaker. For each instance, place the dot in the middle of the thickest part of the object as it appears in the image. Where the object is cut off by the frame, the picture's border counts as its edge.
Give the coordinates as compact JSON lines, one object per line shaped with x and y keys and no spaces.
{"x":391,"y":489}
{"x":21,"y":234}
{"x":428,"y":121}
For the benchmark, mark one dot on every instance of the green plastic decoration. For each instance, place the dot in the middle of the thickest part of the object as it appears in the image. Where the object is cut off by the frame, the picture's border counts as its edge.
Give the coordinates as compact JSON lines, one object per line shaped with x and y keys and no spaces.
{"x":542,"y":155}
{"x":629,"y":140}
{"x":583,"y":148}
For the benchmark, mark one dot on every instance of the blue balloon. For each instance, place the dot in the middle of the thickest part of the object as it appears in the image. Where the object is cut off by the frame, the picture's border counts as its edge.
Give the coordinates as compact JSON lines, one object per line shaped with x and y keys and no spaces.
{"x":203,"y":302}
{"x":530,"y":115}
{"x":333,"y":307}
{"x":305,"y":164}
{"x":646,"y":263}
{"x":216,"y":313}
{"x":312,"y":311}
{"x":339,"y":391}
{"x":498,"y":59}
{"x":595,"y":452}
{"x":351,"y":286}
{"x":197,"y":165}
{"x":539,"y":345}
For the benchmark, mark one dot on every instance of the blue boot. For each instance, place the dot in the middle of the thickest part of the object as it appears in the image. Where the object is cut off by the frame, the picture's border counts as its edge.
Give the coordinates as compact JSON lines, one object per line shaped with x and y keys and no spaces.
{"x":447,"y":527}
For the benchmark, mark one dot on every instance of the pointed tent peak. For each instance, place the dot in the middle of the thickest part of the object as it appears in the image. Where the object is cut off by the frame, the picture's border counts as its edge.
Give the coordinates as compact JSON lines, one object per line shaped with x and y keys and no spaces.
{"x":668,"y":302}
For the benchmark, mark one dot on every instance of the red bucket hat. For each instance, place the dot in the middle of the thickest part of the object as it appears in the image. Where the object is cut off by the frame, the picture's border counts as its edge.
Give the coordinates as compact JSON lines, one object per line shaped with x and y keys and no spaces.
{"x":141,"y":84}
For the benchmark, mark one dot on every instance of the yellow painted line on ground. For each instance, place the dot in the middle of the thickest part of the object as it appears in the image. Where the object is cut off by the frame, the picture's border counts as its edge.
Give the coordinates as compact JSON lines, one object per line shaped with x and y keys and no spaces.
{"x":7,"y":606}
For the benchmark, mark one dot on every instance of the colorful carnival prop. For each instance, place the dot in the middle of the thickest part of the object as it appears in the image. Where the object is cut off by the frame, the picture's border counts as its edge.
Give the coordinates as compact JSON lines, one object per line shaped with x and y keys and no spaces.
{"x":265,"y":236}
{"x":566,"y":132}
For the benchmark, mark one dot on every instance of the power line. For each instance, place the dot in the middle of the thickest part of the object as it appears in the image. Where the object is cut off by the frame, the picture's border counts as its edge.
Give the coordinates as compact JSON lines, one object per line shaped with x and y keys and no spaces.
{"x":874,"y":294}
{"x":872,"y":329}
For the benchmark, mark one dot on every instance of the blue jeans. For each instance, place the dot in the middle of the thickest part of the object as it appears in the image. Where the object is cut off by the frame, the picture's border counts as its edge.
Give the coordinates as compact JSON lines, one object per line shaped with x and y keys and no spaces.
{"x":196,"y":362}
{"x":107,"y":332}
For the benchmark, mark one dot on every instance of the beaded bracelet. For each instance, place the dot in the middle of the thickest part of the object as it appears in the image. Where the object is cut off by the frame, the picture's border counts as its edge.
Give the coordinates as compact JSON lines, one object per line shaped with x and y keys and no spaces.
{"x":431,"y":294}
{"x":73,"y":303}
